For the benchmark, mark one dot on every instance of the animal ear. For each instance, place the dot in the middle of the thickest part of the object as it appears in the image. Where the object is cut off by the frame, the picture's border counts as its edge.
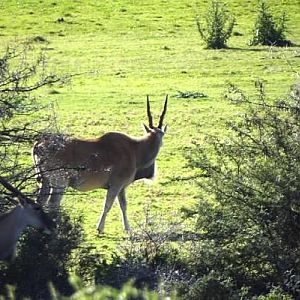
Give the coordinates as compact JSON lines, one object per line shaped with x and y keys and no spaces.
{"x":147,"y":129}
{"x":165,"y":129}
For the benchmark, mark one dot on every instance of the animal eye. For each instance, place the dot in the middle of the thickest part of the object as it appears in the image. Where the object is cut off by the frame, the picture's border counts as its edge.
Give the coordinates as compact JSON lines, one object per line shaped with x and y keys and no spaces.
{"x":37,"y":208}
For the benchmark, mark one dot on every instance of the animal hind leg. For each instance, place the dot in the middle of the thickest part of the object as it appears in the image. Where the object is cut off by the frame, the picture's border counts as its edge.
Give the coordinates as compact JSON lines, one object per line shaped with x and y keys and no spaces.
{"x":110,"y":197}
{"x":123,"y":206}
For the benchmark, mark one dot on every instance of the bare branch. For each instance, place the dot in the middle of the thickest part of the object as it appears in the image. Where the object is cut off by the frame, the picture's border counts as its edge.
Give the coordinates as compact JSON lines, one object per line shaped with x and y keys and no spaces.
{"x":15,"y":192}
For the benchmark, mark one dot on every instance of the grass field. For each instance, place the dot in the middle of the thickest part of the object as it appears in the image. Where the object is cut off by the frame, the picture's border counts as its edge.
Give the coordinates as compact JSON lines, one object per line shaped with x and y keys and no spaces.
{"x":129,"y":49}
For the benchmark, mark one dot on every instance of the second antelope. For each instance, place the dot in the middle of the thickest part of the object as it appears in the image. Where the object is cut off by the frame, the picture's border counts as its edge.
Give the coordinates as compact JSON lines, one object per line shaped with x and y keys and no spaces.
{"x":112,"y":162}
{"x":12,"y":224}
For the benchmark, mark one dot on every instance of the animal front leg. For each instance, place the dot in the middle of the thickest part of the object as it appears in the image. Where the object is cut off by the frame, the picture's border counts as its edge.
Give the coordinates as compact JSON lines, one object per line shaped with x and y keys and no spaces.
{"x":43,"y":191}
{"x":110,"y":197}
{"x":123,"y":205}
{"x":56,"y":196}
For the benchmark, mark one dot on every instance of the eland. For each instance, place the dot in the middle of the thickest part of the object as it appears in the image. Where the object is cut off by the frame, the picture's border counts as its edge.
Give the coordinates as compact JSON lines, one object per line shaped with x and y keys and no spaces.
{"x":13,"y":223}
{"x":112,"y":162}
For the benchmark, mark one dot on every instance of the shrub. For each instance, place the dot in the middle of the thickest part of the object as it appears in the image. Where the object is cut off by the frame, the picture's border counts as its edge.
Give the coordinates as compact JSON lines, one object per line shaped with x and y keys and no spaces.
{"x":207,"y":287}
{"x":149,"y":259}
{"x":267,"y":31}
{"x":42,"y":259}
{"x":218,"y":28}
{"x":22,"y":71}
{"x":275,"y":294}
{"x":126,"y":292}
{"x":249,"y":212}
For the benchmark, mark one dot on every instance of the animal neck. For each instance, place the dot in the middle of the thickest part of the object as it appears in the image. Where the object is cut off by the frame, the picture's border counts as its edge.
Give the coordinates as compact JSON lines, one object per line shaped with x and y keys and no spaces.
{"x":147,"y":150}
{"x":14,"y":222}
{"x":11,"y":226}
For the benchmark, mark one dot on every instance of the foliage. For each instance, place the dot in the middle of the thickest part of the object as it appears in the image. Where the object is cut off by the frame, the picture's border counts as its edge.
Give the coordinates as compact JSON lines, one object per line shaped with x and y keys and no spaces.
{"x":126,"y":292}
{"x":267,"y":31}
{"x":275,"y":294}
{"x":218,"y":26}
{"x":42,"y":259}
{"x":149,"y":259}
{"x":20,"y":119}
{"x":250,"y":215}
{"x":208,"y":287}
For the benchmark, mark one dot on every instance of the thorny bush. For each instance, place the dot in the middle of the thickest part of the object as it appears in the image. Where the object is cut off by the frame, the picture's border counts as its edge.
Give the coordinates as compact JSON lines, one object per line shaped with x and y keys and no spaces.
{"x":249,"y":211}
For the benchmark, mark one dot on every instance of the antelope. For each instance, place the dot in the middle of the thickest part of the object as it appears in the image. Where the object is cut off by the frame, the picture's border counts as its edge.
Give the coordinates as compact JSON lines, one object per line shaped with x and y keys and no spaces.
{"x":112,"y":162}
{"x":12,"y":224}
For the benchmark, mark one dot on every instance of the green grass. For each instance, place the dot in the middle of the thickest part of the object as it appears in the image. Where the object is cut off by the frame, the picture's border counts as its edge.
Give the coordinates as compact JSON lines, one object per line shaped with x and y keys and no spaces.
{"x":133,"y":48}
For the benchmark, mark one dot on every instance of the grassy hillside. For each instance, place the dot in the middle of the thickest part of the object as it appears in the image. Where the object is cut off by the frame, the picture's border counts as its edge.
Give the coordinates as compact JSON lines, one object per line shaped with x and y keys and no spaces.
{"x":133,"y":48}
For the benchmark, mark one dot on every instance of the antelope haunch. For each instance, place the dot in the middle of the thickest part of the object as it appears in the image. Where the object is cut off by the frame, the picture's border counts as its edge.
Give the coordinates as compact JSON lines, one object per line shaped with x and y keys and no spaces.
{"x":13,"y":223}
{"x":112,"y":162}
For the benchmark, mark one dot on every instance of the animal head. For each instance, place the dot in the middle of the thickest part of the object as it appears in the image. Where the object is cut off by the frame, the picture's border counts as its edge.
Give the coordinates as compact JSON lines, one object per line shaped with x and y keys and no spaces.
{"x":158,"y":130}
{"x":34,"y":215}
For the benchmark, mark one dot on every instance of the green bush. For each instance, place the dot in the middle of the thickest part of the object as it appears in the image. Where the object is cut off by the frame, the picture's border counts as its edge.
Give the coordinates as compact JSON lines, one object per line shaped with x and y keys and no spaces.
{"x":149,"y":259}
{"x":218,"y":26}
{"x":83,"y":292}
{"x":275,"y":294}
{"x":267,"y":31}
{"x":42,"y":259}
{"x":207,"y":287}
{"x":126,"y":292}
{"x":249,"y":211}
{"x":22,"y":118}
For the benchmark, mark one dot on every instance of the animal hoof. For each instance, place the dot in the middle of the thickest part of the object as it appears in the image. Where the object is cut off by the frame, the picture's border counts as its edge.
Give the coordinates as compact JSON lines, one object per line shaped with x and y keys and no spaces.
{"x":100,"y":231}
{"x":128,"y":230}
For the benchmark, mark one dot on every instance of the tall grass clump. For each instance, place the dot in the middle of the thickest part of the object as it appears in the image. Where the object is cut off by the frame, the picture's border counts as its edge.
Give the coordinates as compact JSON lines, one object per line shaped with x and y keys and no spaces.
{"x":267,"y":30}
{"x":217,"y":27}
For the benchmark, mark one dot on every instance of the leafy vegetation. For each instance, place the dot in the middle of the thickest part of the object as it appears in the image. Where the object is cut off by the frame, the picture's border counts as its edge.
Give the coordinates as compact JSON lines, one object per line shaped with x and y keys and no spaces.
{"x":127,"y":292}
{"x":267,"y":31}
{"x":250,"y":216}
{"x":219,"y":26}
{"x":19,"y":122}
{"x":42,"y":259}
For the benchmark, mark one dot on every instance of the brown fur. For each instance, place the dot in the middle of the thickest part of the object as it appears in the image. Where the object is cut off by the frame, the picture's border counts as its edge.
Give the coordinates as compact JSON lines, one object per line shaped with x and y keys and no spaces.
{"x":112,"y":161}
